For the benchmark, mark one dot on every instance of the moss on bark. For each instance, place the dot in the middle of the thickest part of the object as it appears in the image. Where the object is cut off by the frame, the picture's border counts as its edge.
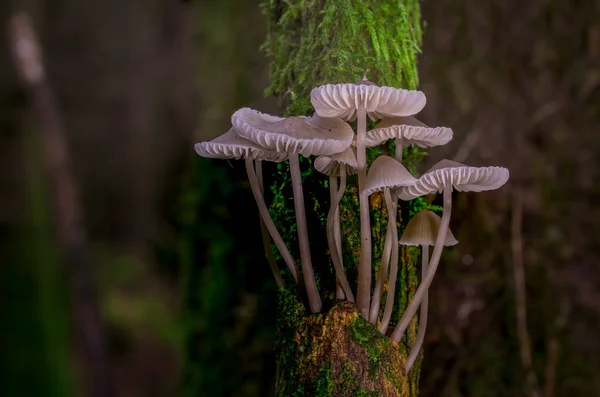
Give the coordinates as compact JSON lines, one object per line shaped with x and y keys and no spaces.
{"x":337,"y":353}
{"x":313,"y":42}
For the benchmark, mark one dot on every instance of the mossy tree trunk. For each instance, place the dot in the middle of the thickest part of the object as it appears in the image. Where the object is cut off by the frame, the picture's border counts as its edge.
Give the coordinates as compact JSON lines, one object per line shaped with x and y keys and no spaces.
{"x":312,"y":42}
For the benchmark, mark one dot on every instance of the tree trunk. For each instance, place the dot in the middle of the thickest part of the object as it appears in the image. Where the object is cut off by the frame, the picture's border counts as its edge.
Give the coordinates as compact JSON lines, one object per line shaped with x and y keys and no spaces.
{"x":337,"y":353}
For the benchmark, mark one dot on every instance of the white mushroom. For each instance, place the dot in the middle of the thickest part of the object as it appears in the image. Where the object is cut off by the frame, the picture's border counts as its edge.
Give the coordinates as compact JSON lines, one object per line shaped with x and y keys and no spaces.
{"x":445,"y":176}
{"x":386,"y":174}
{"x":231,"y":146}
{"x":422,"y":230}
{"x":338,"y":165}
{"x":355,"y":101}
{"x":407,"y":131}
{"x":294,"y":136}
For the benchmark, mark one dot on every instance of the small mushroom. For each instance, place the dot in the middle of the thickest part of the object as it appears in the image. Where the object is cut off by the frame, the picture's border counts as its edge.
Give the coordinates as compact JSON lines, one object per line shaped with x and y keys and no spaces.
{"x":445,"y":176}
{"x":338,"y":165}
{"x":407,"y":131}
{"x":231,"y":146}
{"x":356,"y":101}
{"x":294,"y":136}
{"x":422,"y":230}
{"x":386,"y":174}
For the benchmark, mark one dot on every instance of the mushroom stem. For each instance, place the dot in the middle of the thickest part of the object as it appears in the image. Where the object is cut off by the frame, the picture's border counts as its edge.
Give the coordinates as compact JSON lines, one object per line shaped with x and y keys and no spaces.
{"x":414,"y":353}
{"x":389,"y":302}
{"x":363,"y":294}
{"x":337,"y":234}
{"x":432,"y":267}
{"x":335,"y":253}
{"x":383,"y":271}
{"x":314,"y":300}
{"x":399,"y":148}
{"x":264,"y":232}
{"x":264,"y":212}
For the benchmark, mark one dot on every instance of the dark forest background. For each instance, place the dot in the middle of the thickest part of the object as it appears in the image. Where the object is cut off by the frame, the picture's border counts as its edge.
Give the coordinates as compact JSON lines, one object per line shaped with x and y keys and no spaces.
{"x":185,"y":292}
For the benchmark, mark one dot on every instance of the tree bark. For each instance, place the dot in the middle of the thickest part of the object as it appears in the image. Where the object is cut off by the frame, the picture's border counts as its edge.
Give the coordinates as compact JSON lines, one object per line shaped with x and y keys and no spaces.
{"x":337,"y":353}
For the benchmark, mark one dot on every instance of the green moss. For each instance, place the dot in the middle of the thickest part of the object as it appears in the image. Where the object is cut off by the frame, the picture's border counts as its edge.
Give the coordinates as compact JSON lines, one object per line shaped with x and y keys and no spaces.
{"x":291,"y":312}
{"x":314,"y":42}
{"x":324,"y":384}
{"x":367,"y":336}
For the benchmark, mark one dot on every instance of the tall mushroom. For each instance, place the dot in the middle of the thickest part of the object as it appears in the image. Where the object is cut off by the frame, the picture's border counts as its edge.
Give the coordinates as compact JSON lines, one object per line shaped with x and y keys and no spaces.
{"x":296,"y":136}
{"x":356,"y":101}
{"x":231,"y":146}
{"x":386,"y":174}
{"x":445,"y":176}
{"x":407,"y":131}
{"x":338,"y":165}
{"x":422,"y":230}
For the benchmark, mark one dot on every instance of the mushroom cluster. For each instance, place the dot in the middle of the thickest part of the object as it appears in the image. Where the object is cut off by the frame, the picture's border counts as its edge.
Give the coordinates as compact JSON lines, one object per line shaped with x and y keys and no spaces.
{"x":341,"y":152}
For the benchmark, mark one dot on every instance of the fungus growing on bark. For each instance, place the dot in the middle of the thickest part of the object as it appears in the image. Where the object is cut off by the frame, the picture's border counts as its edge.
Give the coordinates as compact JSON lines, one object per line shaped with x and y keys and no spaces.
{"x":231,"y":146}
{"x":386,"y":174}
{"x":422,"y":230}
{"x":257,"y":136}
{"x":407,"y":131}
{"x":296,"y":136}
{"x":339,"y":165}
{"x":356,"y":101}
{"x":444,"y":176}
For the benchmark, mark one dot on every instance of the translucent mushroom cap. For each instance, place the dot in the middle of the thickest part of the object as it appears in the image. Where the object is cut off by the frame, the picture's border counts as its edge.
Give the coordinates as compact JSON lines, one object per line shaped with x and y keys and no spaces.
{"x":293,"y":135}
{"x":423,"y":229}
{"x":461,"y":177}
{"x":411,"y":130}
{"x":386,"y":172}
{"x":231,"y":146}
{"x":343,"y":100}
{"x":331,"y":165}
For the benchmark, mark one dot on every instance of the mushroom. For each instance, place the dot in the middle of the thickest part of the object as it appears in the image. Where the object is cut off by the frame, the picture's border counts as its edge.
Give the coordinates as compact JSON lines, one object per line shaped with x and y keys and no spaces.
{"x":356,"y":101}
{"x":422,"y":230}
{"x":264,"y":231}
{"x":445,"y":176}
{"x":407,"y":131}
{"x":386,"y":174}
{"x":231,"y":146}
{"x":338,"y":165}
{"x":294,"y":136}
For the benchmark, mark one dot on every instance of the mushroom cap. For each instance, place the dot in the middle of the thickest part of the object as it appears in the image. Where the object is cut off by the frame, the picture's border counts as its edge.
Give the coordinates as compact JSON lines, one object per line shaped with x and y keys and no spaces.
{"x":411,"y":130}
{"x":343,"y":100}
{"x":231,"y":146}
{"x":462,"y":178}
{"x":387,"y":172}
{"x":330,"y":165}
{"x":423,"y":229}
{"x":293,"y":135}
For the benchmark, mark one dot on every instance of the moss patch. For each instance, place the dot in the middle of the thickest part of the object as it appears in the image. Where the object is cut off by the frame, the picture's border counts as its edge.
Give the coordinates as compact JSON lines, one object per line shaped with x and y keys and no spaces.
{"x":337,"y":353}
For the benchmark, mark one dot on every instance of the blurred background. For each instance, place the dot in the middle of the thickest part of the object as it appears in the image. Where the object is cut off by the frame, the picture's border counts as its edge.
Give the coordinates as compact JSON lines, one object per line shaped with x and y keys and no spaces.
{"x":186,"y":296}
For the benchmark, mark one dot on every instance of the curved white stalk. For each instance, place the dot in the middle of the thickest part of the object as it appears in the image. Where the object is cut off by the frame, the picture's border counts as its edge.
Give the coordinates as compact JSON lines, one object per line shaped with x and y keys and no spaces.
{"x":264,"y":232}
{"x":333,"y":249}
{"x":389,"y":302}
{"x":414,"y":352}
{"x":383,"y":272}
{"x":399,"y":148}
{"x":416,"y":301}
{"x":264,"y":212}
{"x":337,"y":234}
{"x":314,"y":299}
{"x":363,"y":294}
